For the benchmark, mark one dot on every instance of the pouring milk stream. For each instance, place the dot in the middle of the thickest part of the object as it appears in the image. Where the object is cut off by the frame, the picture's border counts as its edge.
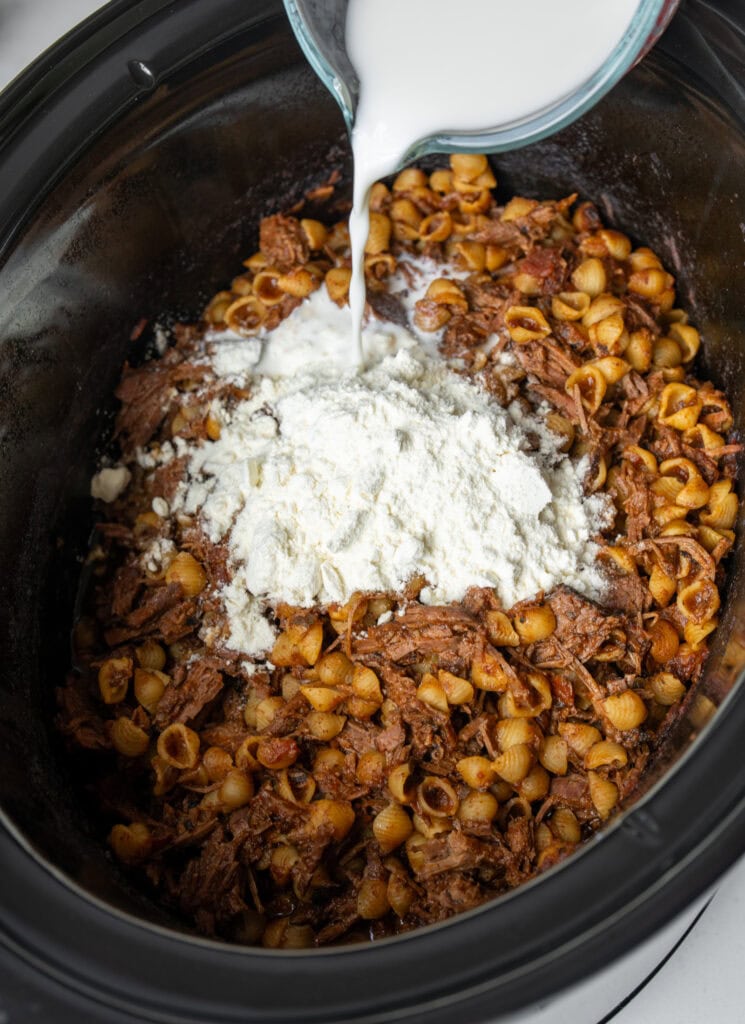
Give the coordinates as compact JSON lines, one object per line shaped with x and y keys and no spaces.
{"x":427,"y":67}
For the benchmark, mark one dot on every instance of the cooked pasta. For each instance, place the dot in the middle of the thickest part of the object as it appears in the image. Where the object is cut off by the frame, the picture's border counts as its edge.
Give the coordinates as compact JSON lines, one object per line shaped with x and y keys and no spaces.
{"x":393,"y":762}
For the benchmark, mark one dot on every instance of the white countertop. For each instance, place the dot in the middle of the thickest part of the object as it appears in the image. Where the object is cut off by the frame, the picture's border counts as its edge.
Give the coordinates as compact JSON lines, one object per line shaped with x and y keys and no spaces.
{"x":704,"y":980}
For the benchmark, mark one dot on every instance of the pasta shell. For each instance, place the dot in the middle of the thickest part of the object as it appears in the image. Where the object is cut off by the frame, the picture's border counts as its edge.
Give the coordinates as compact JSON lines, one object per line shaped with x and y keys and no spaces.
{"x":625,"y":710}
{"x":514,"y":764}
{"x":606,"y":753}
{"x":603,"y":793}
{"x":391,"y":827}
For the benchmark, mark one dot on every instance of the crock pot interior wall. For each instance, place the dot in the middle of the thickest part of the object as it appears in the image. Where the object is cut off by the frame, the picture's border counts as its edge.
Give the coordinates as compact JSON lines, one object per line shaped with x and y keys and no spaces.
{"x":151,"y":221}
{"x":157,"y":215}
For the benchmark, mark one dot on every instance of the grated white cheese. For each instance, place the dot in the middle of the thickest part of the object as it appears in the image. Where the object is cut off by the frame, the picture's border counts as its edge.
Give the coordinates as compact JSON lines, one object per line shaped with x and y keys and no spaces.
{"x":330,"y":479}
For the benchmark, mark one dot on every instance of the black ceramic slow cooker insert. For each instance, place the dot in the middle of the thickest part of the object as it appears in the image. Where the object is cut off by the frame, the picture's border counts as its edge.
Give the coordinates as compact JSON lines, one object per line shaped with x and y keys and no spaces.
{"x":136,"y":159}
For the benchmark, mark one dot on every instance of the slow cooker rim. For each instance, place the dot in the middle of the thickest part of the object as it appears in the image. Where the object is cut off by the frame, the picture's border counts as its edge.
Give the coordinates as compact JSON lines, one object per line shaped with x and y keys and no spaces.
{"x":21,"y":92}
{"x":732,"y":827}
{"x":560,"y":965}
{"x":32,"y":100}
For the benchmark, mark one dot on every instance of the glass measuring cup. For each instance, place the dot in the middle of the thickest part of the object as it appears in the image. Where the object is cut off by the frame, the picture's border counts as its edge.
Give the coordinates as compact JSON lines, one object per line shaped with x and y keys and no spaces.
{"x":320,"y":28}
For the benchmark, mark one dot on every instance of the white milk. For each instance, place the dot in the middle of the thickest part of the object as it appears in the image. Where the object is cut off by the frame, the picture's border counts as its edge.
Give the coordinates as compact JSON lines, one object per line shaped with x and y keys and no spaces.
{"x":428,"y":67}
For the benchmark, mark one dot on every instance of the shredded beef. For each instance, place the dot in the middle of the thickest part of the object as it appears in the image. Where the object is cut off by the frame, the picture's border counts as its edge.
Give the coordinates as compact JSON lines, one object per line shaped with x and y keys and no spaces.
{"x":582,"y":627}
{"x":422,"y":720}
{"x":293,"y":790}
{"x":572,"y":791}
{"x":125,"y":588}
{"x":547,"y":363}
{"x":184,"y":699}
{"x":211,"y":885}
{"x":627,"y":593}
{"x":161,"y":611}
{"x":549,"y":266}
{"x":282,"y":240}
{"x":453,"y":852}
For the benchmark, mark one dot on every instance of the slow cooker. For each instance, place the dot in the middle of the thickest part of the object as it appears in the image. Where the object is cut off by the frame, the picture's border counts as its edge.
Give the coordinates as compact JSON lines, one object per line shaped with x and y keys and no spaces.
{"x":136,"y":158}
